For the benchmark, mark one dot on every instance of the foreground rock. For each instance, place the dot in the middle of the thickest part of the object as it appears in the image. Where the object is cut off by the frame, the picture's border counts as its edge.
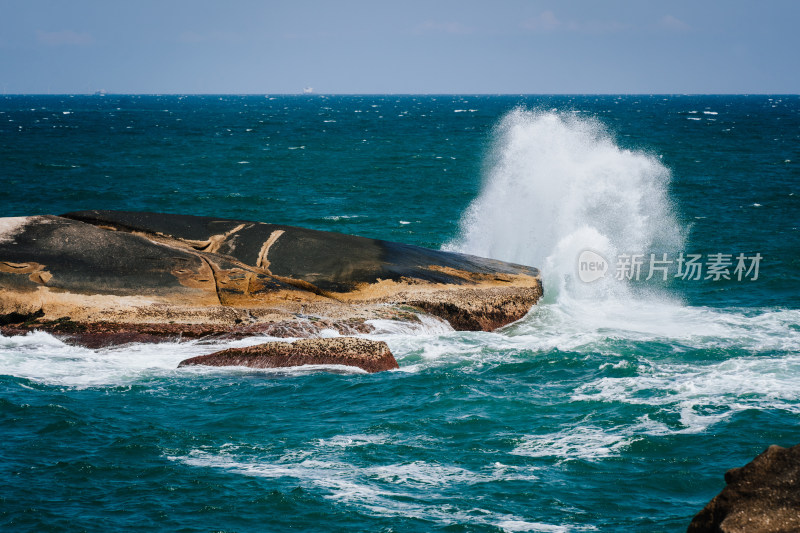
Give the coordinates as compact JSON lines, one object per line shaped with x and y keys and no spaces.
{"x":761,"y":497}
{"x":102,"y":277}
{"x":371,"y":356}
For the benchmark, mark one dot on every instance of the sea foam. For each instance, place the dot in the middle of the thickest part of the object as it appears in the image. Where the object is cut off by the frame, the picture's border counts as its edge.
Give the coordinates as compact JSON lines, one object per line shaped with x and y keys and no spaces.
{"x":389,"y":489}
{"x":557,"y":184}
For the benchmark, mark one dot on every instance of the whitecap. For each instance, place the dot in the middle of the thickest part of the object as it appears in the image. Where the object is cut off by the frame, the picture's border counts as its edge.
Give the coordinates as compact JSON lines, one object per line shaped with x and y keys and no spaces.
{"x":582,"y":442}
{"x":512,"y":525}
{"x":354,"y":441}
{"x":389,"y":490}
{"x":336,"y":218}
{"x":704,"y":394}
{"x":422,"y":324}
{"x":43,"y":358}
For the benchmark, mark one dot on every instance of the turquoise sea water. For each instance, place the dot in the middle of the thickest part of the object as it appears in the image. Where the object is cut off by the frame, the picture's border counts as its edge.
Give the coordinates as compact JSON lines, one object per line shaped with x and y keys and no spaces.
{"x":615,"y":405}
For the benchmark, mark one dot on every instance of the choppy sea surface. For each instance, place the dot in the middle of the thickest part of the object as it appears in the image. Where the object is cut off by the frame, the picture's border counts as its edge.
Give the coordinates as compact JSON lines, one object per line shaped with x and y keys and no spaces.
{"x":616,"y":405}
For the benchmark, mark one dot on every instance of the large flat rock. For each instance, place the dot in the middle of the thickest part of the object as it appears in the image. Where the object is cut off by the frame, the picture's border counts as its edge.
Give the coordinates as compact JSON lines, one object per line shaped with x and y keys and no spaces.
{"x":330,"y":261}
{"x":132,"y":268}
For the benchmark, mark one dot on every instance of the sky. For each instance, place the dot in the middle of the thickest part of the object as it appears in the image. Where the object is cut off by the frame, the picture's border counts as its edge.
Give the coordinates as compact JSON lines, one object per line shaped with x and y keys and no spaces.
{"x":400,"y":47}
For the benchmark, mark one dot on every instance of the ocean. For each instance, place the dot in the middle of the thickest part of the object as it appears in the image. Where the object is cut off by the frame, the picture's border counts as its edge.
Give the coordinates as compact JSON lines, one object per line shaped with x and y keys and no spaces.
{"x":616,"y":404}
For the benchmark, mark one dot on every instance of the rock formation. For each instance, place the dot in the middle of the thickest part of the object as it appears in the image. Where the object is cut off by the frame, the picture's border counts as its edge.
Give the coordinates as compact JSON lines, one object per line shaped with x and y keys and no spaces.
{"x":761,"y":497}
{"x":104,"y":277}
{"x":372,"y":356}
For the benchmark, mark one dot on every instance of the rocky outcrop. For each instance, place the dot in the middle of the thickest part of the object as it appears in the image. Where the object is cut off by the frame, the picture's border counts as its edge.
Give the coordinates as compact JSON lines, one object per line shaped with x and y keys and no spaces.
{"x":104,"y":334}
{"x":761,"y":497}
{"x":108,"y":276}
{"x":371,"y":356}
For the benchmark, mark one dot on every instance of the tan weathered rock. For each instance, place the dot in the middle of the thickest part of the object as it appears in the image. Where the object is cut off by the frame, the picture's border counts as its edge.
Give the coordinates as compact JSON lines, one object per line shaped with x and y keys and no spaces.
{"x":121,"y":273}
{"x":761,"y":497}
{"x":368,"y":355}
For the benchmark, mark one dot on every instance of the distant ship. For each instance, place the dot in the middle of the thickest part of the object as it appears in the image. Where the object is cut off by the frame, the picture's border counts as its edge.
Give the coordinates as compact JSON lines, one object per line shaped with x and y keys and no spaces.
{"x":308,"y":90}
{"x":101,"y":92}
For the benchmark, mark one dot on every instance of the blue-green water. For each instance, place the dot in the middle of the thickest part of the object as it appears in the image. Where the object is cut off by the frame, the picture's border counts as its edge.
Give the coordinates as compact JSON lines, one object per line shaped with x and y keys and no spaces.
{"x":614,"y":406}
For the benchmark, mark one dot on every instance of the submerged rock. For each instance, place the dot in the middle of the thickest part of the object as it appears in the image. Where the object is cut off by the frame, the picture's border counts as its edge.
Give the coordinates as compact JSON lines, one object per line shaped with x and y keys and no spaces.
{"x":93,"y":273}
{"x":371,"y":356}
{"x":761,"y":497}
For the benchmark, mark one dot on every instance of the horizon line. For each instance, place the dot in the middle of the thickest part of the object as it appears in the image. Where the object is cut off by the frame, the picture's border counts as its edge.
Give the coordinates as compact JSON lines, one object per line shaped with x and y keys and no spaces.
{"x":312,"y":95}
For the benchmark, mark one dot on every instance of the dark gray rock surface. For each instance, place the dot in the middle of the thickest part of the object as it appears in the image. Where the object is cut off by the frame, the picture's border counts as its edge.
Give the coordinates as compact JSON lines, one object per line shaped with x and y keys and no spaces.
{"x":331,"y":261}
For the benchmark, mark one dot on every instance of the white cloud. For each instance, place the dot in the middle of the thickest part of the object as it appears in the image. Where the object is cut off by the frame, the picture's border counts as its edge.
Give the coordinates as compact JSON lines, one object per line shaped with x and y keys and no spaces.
{"x":600,"y":26}
{"x":453,"y":28}
{"x":668,"y":22}
{"x":547,"y":21}
{"x":63,"y":38}
{"x":191,"y":37}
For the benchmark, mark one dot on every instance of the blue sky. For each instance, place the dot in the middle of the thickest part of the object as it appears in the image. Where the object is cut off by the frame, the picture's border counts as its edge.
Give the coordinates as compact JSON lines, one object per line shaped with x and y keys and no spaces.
{"x":409,"y":46}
